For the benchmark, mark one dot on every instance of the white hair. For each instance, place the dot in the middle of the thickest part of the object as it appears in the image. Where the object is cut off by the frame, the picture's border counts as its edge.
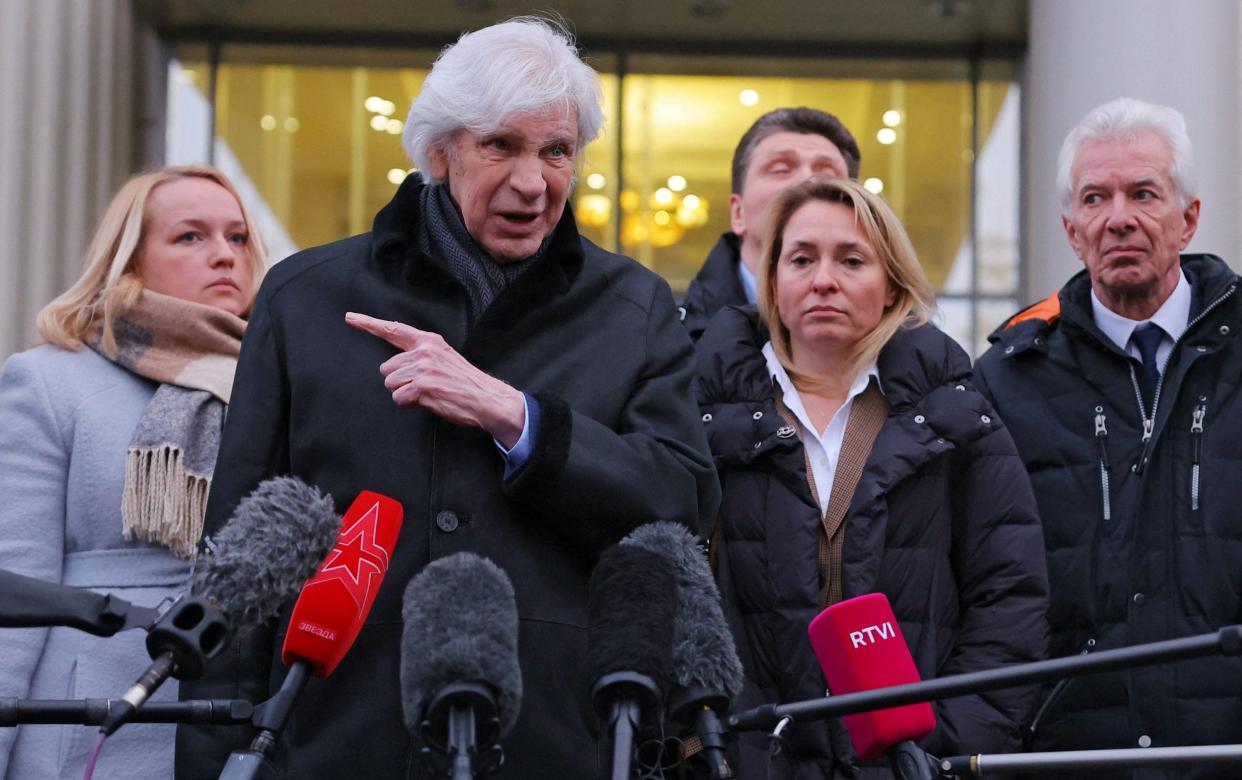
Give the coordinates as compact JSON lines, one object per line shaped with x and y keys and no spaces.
{"x":526,"y":64}
{"x":1124,"y":119}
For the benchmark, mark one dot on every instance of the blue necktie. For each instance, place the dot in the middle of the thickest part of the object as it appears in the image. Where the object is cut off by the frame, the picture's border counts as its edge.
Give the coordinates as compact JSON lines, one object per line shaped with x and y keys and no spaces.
{"x":1147,"y":338}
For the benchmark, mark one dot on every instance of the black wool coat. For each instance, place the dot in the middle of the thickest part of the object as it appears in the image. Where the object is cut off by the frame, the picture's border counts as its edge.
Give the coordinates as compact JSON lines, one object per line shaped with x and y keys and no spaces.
{"x":1144,"y":540}
{"x":942,"y":522}
{"x":595,"y":337}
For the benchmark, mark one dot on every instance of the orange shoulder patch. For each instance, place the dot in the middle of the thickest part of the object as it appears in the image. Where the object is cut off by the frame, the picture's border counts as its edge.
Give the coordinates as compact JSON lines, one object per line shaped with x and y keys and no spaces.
{"x":1048,"y":310}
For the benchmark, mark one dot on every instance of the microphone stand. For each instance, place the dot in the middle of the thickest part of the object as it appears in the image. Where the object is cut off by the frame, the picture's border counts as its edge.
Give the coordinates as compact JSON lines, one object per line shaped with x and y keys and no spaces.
{"x":461,"y":724}
{"x":624,"y":696}
{"x":270,"y":718}
{"x":1062,"y":760}
{"x":1226,"y":641}
{"x":27,"y":602}
{"x":93,"y":712}
{"x":698,"y":707}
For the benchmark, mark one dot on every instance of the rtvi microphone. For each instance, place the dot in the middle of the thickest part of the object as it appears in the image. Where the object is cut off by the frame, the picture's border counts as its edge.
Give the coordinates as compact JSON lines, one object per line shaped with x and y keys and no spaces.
{"x":633,"y":595}
{"x":860,"y":647}
{"x":329,"y":613}
{"x":271,"y":544}
{"x":706,"y":671}
{"x":461,"y":685}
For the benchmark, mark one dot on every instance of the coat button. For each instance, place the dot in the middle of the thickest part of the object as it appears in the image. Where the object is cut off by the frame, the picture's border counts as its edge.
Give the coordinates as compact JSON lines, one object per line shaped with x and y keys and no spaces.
{"x":983,"y":418}
{"x":920,"y":419}
{"x":1009,"y":350}
{"x":446,"y":521}
{"x":1140,"y":599}
{"x":757,"y":416}
{"x":1144,"y":741}
{"x":784,"y":432}
{"x":707,"y":417}
{"x":1224,"y":330}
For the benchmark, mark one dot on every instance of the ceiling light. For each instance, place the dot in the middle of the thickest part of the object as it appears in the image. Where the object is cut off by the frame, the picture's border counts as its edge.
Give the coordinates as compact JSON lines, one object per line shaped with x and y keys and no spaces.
{"x":886,"y":135}
{"x":596,"y":181}
{"x":748,"y":97}
{"x":396,"y":175}
{"x":268,"y":122}
{"x":892,"y":117}
{"x":676,"y":183}
{"x":876,"y":186}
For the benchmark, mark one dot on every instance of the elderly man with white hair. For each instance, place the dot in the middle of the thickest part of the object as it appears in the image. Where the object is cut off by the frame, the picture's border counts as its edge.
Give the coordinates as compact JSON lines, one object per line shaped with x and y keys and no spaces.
{"x":522,"y":392}
{"x":1123,"y":392}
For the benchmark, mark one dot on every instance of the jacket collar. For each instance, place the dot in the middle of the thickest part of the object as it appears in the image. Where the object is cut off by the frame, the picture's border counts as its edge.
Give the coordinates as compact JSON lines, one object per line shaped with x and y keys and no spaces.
{"x":732,"y":367}
{"x":394,"y":240}
{"x":1028,"y":330}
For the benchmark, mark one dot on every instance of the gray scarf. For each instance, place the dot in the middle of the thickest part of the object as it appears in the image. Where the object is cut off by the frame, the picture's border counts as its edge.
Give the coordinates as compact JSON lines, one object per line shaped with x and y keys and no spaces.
{"x":442,"y":235}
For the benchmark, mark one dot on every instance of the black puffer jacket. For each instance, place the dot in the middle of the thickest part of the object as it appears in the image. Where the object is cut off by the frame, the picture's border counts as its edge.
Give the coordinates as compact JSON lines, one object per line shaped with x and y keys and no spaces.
{"x":942,"y":522}
{"x":714,"y":287}
{"x":1159,"y":556}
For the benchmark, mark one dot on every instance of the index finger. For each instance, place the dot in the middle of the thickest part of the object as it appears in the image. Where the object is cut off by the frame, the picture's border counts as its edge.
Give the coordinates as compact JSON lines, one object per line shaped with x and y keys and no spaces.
{"x":398,"y":334}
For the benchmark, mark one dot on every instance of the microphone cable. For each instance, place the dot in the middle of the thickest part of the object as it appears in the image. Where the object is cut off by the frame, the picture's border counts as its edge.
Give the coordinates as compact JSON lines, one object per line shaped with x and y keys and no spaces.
{"x":776,"y":740}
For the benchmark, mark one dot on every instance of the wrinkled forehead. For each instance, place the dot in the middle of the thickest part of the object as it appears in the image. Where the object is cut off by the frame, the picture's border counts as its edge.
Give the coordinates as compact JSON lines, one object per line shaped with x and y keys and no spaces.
{"x":1139,"y":157}
{"x":554,"y":122}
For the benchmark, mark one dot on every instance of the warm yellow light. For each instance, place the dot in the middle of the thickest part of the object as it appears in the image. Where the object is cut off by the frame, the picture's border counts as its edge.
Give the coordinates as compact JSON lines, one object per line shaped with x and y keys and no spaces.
{"x":629,"y":200}
{"x":396,"y":175}
{"x":676,"y":183}
{"x":886,"y":135}
{"x":379,"y":123}
{"x":748,"y":97}
{"x":292,"y":125}
{"x":662,"y":218}
{"x":691,"y":202}
{"x":594,"y":210}
{"x":875,"y":185}
{"x":892,"y":117}
{"x":268,"y":122}
{"x":394,"y":126}
{"x":373,"y":104}
{"x":386,"y":108}
{"x":596,"y":181}
{"x":663,"y":196}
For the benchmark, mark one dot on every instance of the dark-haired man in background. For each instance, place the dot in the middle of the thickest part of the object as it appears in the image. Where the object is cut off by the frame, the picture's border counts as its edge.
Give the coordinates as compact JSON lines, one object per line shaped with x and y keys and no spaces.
{"x":783,"y":147}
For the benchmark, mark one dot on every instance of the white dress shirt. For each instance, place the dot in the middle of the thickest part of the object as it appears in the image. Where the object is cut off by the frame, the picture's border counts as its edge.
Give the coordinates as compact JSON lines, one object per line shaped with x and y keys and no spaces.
{"x":823,"y":448}
{"x":1172,"y":317}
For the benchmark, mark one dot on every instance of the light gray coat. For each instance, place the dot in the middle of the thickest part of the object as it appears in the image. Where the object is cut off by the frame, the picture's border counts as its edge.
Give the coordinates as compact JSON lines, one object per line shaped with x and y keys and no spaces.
{"x":66,"y":419}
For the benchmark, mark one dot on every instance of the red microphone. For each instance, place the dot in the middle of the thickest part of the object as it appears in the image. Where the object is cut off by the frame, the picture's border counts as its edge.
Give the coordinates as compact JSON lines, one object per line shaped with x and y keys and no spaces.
{"x":326,"y":620}
{"x":860,"y":648}
{"x":335,"y":602}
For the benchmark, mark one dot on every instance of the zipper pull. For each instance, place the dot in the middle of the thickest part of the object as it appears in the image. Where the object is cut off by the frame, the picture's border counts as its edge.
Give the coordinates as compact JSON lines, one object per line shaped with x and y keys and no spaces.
{"x":1101,"y":432}
{"x":1196,"y":450}
{"x":1149,"y":424}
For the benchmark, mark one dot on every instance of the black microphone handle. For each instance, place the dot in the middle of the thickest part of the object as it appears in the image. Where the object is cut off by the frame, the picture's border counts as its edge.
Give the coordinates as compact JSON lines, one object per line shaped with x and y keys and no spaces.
{"x":711,"y":735}
{"x":1226,"y":641}
{"x":461,"y":740}
{"x":28,"y":602}
{"x":623,"y":720}
{"x":133,"y":699}
{"x":1063,"y":760}
{"x":92,"y":712}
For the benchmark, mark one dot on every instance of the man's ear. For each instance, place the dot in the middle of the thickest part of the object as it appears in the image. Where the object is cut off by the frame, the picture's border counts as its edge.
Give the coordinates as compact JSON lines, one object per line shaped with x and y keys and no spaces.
{"x":1191,"y":222}
{"x":1071,"y":232}
{"x":438,"y":162}
{"x":736,"y":222}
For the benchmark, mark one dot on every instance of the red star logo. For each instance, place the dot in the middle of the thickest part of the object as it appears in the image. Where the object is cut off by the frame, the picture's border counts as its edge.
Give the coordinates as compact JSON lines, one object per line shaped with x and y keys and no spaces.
{"x":356,"y":560}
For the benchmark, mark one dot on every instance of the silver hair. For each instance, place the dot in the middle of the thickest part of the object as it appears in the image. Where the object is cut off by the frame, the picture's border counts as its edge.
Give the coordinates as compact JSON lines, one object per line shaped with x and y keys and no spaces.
{"x":1125,"y":118}
{"x":526,"y":64}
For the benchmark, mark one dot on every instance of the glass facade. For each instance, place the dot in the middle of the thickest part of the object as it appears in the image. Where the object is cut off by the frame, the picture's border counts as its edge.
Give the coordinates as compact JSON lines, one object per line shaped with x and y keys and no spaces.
{"x":315,"y":135}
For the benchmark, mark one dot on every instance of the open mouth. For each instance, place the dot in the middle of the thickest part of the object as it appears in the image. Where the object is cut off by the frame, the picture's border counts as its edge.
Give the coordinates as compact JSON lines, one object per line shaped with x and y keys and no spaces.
{"x":518,"y":218}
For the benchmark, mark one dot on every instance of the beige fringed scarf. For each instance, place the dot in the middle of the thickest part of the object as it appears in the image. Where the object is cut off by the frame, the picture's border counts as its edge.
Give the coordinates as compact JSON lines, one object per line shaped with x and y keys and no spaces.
{"x":191,"y":350}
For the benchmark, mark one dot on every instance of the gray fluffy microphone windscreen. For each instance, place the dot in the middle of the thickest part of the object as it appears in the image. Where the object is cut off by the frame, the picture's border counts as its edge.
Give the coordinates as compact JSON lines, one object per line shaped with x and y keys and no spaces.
{"x":275,"y":540}
{"x":633,"y":595}
{"x":704,"y":653}
{"x":460,"y":625}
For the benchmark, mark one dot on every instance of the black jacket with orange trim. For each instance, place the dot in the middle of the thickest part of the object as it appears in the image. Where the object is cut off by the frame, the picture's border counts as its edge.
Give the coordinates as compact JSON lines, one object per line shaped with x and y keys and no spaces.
{"x":1143,"y":535}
